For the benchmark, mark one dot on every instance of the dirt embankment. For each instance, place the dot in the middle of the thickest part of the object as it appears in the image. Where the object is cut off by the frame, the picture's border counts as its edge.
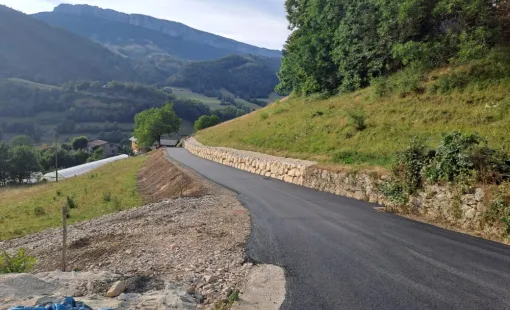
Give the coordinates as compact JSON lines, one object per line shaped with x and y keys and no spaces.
{"x":195,"y":242}
{"x":161,"y":179}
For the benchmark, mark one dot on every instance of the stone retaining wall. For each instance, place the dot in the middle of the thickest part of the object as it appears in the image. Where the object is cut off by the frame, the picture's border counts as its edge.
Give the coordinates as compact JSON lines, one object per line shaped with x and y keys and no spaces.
{"x":435,"y":203}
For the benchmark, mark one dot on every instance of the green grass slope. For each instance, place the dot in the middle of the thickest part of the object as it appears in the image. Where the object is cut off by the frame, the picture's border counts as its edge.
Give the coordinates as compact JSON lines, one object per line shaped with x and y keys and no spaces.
{"x":469,"y":98}
{"x":29,"y":209}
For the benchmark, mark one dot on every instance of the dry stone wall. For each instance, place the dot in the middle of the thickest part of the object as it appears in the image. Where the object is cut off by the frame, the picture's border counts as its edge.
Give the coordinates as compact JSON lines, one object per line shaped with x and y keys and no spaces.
{"x":434,"y":203}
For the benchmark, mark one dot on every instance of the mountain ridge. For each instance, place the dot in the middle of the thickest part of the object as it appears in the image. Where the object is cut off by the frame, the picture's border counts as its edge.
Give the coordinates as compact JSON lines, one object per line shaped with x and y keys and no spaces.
{"x":170,"y":28}
{"x":34,"y":50}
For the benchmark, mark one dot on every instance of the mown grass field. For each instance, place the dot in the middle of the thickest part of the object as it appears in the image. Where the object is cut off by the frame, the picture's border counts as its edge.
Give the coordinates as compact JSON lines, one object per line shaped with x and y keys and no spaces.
{"x":29,"y":209}
{"x":323,"y":130}
{"x":215,"y":103}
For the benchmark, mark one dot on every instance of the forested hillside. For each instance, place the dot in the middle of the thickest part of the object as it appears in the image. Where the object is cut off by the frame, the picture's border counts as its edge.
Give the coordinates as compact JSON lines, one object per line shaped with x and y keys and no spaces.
{"x":248,"y":77}
{"x":341,"y":45}
{"x":433,"y":67}
{"x":89,"y":108}
{"x":33,"y":50}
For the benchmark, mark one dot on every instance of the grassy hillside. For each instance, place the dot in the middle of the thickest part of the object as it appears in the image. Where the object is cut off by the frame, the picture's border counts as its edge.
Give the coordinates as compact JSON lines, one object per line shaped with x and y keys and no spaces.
{"x":469,"y":98}
{"x":29,"y":209}
{"x":214,"y":102}
{"x":34,"y":50}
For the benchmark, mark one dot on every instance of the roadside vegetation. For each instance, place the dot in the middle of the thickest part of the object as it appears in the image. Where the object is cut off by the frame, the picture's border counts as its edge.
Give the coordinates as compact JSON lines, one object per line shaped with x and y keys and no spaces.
{"x":368,"y":128}
{"x":28,"y":209}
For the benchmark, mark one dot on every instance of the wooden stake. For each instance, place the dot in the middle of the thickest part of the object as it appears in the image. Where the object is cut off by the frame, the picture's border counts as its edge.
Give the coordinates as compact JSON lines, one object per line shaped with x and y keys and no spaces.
{"x":64,"y":239}
{"x":182,"y":179}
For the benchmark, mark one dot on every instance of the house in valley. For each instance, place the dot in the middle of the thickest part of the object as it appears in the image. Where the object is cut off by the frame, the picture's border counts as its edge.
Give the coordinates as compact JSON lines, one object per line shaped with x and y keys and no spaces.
{"x":109,"y":149}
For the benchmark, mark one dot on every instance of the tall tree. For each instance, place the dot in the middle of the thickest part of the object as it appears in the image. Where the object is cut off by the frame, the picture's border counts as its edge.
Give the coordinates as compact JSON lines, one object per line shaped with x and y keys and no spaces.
{"x":151,"y":124}
{"x":340,"y":45}
{"x":23,"y":162}
{"x":22,"y":140}
{"x":80,"y":143}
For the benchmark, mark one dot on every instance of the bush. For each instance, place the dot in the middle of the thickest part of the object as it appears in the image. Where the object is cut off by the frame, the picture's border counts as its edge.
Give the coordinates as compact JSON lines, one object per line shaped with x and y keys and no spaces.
{"x":357,"y":119}
{"x":107,"y":197}
{"x":499,"y":211}
{"x":70,"y":202}
{"x":407,"y":81}
{"x":452,"y":160}
{"x":395,"y":192}
{"x":409,"y":165}
{"x":116,"y":203}
{"x":17,"y":263}
{"x":380,"y":87}
{"x":263,"y":116}
{"x":459,"y":158}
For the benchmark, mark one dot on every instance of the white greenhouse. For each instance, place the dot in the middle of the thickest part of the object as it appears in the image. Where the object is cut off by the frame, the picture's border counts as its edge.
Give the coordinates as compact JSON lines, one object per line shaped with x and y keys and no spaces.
{"x":82,"y":169}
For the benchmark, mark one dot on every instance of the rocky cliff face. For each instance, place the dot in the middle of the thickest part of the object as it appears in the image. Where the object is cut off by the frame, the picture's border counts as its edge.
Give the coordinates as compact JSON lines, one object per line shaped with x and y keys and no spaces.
{"x":170,"y":28}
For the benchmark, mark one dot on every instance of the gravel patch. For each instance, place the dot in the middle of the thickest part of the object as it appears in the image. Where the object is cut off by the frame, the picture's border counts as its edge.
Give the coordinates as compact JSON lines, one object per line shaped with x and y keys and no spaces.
{"x":193,"y":244}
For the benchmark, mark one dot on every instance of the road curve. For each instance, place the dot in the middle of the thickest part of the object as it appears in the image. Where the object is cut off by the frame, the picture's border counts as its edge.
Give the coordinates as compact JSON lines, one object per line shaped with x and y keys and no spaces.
{"x":340,"y":253}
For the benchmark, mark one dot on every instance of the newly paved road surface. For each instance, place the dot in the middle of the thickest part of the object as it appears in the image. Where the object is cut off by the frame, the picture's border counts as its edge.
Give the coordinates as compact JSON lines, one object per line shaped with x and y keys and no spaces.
{"x":340,"y":253}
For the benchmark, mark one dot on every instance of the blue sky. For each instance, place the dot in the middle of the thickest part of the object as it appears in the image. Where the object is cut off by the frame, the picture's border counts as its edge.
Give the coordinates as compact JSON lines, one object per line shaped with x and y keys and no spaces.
{"x":258,"y":22}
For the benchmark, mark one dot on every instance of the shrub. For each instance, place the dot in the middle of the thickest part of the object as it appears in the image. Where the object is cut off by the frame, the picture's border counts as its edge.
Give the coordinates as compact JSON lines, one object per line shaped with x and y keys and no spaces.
{"x":409,"y":165}
{"x":263,"y":116}
{"x":107,"y":197}
{"x":116,"y":203}
{"x":380,"y":87}
{"x":395,"y":192}
{"x":71,"y":203}
{"x":17,"y":263}
{"x":357,"y":119}
{"x":491,"y":166}
{"x":452,"y":159}
{"x":499,"y":211}
{"x":408,"y":81}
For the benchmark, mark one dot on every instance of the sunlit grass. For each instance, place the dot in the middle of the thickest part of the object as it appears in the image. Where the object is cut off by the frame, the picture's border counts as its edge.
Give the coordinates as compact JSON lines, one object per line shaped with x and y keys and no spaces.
{"x":29,"y":209}
{"x":321,"y":130}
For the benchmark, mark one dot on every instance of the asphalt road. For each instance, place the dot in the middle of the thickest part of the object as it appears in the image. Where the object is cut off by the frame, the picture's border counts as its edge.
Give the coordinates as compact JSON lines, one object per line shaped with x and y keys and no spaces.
{"x":341,"y":253}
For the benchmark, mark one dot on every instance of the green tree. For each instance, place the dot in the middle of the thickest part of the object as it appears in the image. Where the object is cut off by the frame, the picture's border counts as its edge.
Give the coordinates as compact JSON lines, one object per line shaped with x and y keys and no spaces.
{"x":340,"y":45}
{"x":4,"y":163}
{"x":151,"y":124}
{"x":96,"y":155}
{"x":22,"y":140}
{"x":206,"y":121}
{"x":23,"y":162}
{"x":80,"y":143}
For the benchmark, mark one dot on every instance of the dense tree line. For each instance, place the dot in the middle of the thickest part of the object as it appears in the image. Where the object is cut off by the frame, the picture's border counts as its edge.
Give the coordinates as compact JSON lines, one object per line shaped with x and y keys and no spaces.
{"x":19,"y":159}
{"x":340,"y":45}
{"x":92,"y":102}
{"x":244,"y":76}
{"x":206,"y":121}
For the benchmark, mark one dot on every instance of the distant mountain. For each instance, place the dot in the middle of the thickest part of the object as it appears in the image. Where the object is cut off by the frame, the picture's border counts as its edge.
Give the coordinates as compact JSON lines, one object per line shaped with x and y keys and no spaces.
{"x":248,"y":77}
{"x":119,"y":29}
{"x":130,"y":40}
{"x":33,"y":50}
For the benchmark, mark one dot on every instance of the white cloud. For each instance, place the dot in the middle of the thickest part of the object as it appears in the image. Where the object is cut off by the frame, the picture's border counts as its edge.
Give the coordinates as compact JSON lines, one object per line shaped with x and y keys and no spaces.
{"x":257,"y":22}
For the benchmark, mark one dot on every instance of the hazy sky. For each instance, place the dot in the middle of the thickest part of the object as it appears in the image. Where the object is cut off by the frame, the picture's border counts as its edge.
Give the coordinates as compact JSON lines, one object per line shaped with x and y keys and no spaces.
{"x":258,"y":22}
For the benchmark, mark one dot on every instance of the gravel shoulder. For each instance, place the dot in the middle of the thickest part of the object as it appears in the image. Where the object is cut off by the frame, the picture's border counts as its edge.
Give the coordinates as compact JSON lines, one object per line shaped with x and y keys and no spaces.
{"x":191,"y":246}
